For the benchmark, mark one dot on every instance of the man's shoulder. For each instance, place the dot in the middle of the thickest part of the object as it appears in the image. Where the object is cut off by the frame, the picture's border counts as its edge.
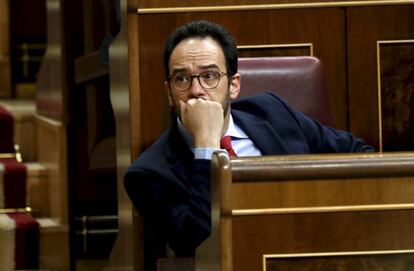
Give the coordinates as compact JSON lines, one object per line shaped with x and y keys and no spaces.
{"x":262,"y":104}
{"x":154,"y":157}
{"x":259,"y":99}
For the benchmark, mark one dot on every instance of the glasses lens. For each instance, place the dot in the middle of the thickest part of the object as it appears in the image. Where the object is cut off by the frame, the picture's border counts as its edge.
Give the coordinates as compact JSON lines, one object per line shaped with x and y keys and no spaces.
{"x":209,"y":79}
{"x":181,"y":81}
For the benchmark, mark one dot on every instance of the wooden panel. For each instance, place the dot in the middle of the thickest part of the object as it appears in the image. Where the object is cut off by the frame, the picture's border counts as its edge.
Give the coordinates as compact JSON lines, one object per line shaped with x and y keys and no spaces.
{"x":324,"y":28}
{"x":5,"y":76}
{"x":53,"y":245}
{"x":50,"y":100}
{"x":253,"y":3}
{"x":302,"y":208}
{"x":330,"y":192}
{"x":322,"y":180}
{"x":396,"y":86}
{"x":355,"y":261}
{"x":38,"y":189}
{"x":54,"y":236}
{"x":4,"y":28}
{"x":51,"y":140}
{"x":318,"y":232}
{"x":365,"y":27}
{"x":127,"y":253}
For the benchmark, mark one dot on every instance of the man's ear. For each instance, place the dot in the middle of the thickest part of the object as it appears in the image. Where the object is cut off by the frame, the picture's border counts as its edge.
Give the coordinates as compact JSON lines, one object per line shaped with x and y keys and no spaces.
{"x":169,"y":93}
{"x":235,"y":86}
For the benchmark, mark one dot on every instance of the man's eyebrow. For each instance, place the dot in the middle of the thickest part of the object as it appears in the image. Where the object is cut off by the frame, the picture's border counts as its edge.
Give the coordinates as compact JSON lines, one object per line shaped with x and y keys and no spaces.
{"x":204,"y":67}
{"x":179,"y":70}
{"x":210,"y":66}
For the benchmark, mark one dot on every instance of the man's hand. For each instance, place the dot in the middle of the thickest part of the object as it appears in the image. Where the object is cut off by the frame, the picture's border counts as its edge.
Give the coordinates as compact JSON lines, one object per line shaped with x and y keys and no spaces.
{"x":204,"y":120}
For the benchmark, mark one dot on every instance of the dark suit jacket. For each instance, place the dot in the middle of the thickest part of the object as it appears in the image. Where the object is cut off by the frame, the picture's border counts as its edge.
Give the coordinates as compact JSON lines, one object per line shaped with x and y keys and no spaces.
{"x":172,"y":189}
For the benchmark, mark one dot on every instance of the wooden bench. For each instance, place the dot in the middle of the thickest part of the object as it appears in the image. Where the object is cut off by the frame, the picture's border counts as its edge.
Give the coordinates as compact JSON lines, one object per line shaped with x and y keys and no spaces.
{"x":306,"y":212}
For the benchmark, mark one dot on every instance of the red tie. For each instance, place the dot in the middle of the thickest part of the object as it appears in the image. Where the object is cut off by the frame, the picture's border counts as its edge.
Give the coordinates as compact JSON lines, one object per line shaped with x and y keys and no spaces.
{"x":225,"y":143}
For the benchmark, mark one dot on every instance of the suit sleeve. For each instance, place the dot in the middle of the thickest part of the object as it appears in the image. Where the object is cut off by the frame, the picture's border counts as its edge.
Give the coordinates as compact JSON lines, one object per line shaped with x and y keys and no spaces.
{"x":324,"y":139}
{"x":177,"y":214}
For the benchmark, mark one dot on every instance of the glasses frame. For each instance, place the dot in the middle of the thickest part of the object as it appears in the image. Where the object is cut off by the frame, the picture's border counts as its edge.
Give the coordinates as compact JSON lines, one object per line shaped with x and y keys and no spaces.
{"x":198,"y":79}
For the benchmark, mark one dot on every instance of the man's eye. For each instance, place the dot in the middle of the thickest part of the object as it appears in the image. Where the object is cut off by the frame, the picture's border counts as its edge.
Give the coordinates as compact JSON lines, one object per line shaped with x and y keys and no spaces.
{"x":181,"y":78}
{"x":210,"y":75}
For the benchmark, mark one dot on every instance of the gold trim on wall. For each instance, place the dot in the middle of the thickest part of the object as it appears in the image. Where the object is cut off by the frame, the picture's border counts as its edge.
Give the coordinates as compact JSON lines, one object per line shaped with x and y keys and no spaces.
{"x":272,"y":6}
{"x":273,"y":46}
{"x":342,"y":253}
{"x":15,"y":210}
{"x":324,"y":209}
{"x":7,"y":155}
{"x":379,"y":97}
{"x":379,"y":43}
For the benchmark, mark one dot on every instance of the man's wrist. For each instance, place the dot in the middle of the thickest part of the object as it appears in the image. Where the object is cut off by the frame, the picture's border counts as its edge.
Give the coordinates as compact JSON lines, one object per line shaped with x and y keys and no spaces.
{"x":207,"y":141}
{"x":204,"y":153}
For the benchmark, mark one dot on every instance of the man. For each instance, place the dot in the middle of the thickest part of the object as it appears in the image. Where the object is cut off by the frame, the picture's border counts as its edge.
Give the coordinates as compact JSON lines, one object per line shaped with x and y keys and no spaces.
{"x":169,"y":183}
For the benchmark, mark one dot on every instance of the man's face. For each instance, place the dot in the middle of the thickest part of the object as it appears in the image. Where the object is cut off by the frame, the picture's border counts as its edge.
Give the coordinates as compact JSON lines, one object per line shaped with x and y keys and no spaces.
{"x":196,"y":55}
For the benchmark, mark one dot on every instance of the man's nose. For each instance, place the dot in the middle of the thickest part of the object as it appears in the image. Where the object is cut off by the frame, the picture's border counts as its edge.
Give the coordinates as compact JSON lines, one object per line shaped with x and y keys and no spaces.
{"x":196,"y":89}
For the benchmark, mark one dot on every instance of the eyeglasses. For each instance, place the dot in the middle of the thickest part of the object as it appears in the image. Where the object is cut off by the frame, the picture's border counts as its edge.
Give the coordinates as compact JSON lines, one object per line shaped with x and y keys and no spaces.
{"x":207,"y":80}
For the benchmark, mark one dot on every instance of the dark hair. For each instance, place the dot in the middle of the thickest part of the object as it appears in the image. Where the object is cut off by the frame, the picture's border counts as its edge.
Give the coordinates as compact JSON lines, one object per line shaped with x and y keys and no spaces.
{"x":203,"y":29}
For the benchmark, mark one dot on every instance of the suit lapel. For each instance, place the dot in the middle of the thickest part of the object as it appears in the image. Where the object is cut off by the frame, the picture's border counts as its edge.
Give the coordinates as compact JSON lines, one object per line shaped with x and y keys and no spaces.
{"x":260,"y":132}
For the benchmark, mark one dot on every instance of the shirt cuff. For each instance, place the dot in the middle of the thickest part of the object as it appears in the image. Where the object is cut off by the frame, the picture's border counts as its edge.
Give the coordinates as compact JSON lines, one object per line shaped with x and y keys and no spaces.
{"x":204,"y":153}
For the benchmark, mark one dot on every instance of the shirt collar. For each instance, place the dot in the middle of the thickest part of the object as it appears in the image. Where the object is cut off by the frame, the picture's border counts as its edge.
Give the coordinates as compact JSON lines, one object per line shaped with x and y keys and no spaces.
{"x":234,"y":131}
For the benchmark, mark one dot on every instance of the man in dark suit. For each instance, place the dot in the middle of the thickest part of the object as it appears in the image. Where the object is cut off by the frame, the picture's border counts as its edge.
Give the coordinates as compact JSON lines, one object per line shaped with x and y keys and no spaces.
{"x":169,"y":183}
